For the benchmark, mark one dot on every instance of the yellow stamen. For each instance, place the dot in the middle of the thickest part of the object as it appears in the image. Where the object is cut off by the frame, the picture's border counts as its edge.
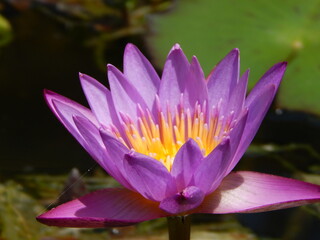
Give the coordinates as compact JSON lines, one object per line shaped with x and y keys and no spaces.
{"x":162,"y":138}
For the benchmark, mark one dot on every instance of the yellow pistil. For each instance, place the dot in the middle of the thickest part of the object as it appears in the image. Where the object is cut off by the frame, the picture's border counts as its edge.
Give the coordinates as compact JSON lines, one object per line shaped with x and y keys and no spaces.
{"x":162,"y":139}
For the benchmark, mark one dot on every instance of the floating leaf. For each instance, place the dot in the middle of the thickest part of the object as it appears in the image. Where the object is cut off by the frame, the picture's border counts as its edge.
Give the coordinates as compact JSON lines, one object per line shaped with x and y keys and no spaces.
{"x":5,"y":31}
{"x":265,"y":31}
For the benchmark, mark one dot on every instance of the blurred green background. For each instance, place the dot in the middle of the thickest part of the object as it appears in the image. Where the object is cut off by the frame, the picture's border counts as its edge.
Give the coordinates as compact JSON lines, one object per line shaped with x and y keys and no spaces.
{"x":45,"y":43}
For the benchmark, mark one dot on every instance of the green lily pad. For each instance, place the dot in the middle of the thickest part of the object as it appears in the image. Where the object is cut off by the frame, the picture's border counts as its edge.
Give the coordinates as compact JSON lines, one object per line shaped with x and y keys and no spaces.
{"x":266,"y":32}
{"x":5,"y":31}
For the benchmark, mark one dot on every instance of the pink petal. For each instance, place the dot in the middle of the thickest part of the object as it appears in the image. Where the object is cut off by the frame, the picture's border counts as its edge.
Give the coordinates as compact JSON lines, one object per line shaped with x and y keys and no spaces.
{"x":99,"y":99}
{"x":185,"y":162}
{"x":236,"y":136}
{"x":236,"y":102}
{"x":96,"y":148}
{"x":173,"y":79}
{"x":124,"y":95}
{"x":65,"y":109}
{"x":93,"y":143}
{"x":115,"y":157}
{"x":140,"y":72}
{"x":52,"y":96}
{"x":256,"y":112}
{"x":224,"y":78}
{"x":149,"y":176}
{"x":186,"y":200}
{"x":258,"y":192}
{"x":196,"y":86}
{"x":211,"y":170}
{"x":272,"y":77}
{"x":105,"y":208}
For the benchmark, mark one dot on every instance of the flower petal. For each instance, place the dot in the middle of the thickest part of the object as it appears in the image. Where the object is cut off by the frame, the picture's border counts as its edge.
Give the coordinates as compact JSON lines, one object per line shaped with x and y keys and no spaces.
{"x":196,"y":86}
{"x":272,"y":77}
{"x":236,"y":134}
{"x":212,"y":168}
{"x":105,"y":208}
{"x":99,"y":99}
{"x":224,"y":78}
{"x":115,"y":157}
{"x":175,"y":72}
{"x":90,"y":134}
{"x":65,"y":109}
{"x":149,"y":176}
{"x":237,"y":98}
{"x":140,"y":72}
{"x":256,"y":112}
{"x":81,"y":110}
{"x":124,"y":95}
{"x":257,"y":192}
{"x":185,"y":162}
{"x":186,"y":200}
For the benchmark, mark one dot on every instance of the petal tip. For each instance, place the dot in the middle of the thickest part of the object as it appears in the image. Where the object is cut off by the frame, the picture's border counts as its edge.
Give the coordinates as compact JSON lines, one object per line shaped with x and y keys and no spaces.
{"x":130,"y":46}
{"x":175,"y":49}
{"x":284,"y":64}
{"x":46,"y":92}
{"x":235,"y":50}
{"x":192,"y":143}
{"x":189,"y":199}
{"x":110,"y":66}
{"x":83,"y":77}
{"x":235,"y":53}
{"x":41,"y":219}
{"x":225,"y":141}
{"x":49,"y":96}
{"x":176,"y":46}
{"x":279,"y":67}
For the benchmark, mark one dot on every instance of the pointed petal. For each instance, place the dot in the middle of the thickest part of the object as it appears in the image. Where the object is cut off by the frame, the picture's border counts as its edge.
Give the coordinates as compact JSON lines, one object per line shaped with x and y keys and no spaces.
{"x":140,"y":72}
{"x":173,"y":78}
{"x":185,"y":162}
{"x":115,"y":157}
{"x":93,"y":143}
{"x":52,"y":96}
{"x":256,"y":112}
{"x":96,"y":148}
{"x":272,"y":77}
{"x":236,"y":102}
{"x":237,"y":132}
{"x":124,"y":95}
{"x":105,"y":208}
{"x":65,"y":109}
{"x":99,"y":99}
{"x":196,"y":86}
{"x":224,"y":78}
{"x":149,"y":176}
{"x":186,"y":200}
{"x":258,"y":192}
{"x":236,"y":136}
{"x":211,"y":170}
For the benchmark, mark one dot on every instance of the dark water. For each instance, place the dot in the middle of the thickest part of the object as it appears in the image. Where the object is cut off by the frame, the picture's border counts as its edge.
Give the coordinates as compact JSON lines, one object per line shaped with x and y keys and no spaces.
{"x":43,"y":54}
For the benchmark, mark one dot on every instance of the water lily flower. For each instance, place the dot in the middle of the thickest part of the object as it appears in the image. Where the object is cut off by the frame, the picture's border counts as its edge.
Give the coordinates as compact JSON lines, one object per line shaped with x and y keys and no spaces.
{"x":172,"y":142}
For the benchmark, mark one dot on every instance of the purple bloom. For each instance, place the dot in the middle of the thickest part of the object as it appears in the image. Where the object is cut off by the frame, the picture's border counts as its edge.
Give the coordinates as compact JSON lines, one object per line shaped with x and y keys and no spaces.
{"x":172,"y":143}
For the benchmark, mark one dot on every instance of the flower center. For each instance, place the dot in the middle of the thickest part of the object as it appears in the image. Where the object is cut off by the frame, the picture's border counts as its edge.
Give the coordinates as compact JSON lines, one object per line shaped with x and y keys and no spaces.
{"x":161,"y":138}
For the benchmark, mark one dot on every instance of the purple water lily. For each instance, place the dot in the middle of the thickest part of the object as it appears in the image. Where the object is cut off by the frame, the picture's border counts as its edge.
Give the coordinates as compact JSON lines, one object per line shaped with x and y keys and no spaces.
{"x":172,"y":143}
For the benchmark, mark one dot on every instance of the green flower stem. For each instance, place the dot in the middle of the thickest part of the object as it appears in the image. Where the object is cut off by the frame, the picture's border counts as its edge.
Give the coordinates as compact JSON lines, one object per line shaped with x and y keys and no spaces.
{"x":179,"y":227}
